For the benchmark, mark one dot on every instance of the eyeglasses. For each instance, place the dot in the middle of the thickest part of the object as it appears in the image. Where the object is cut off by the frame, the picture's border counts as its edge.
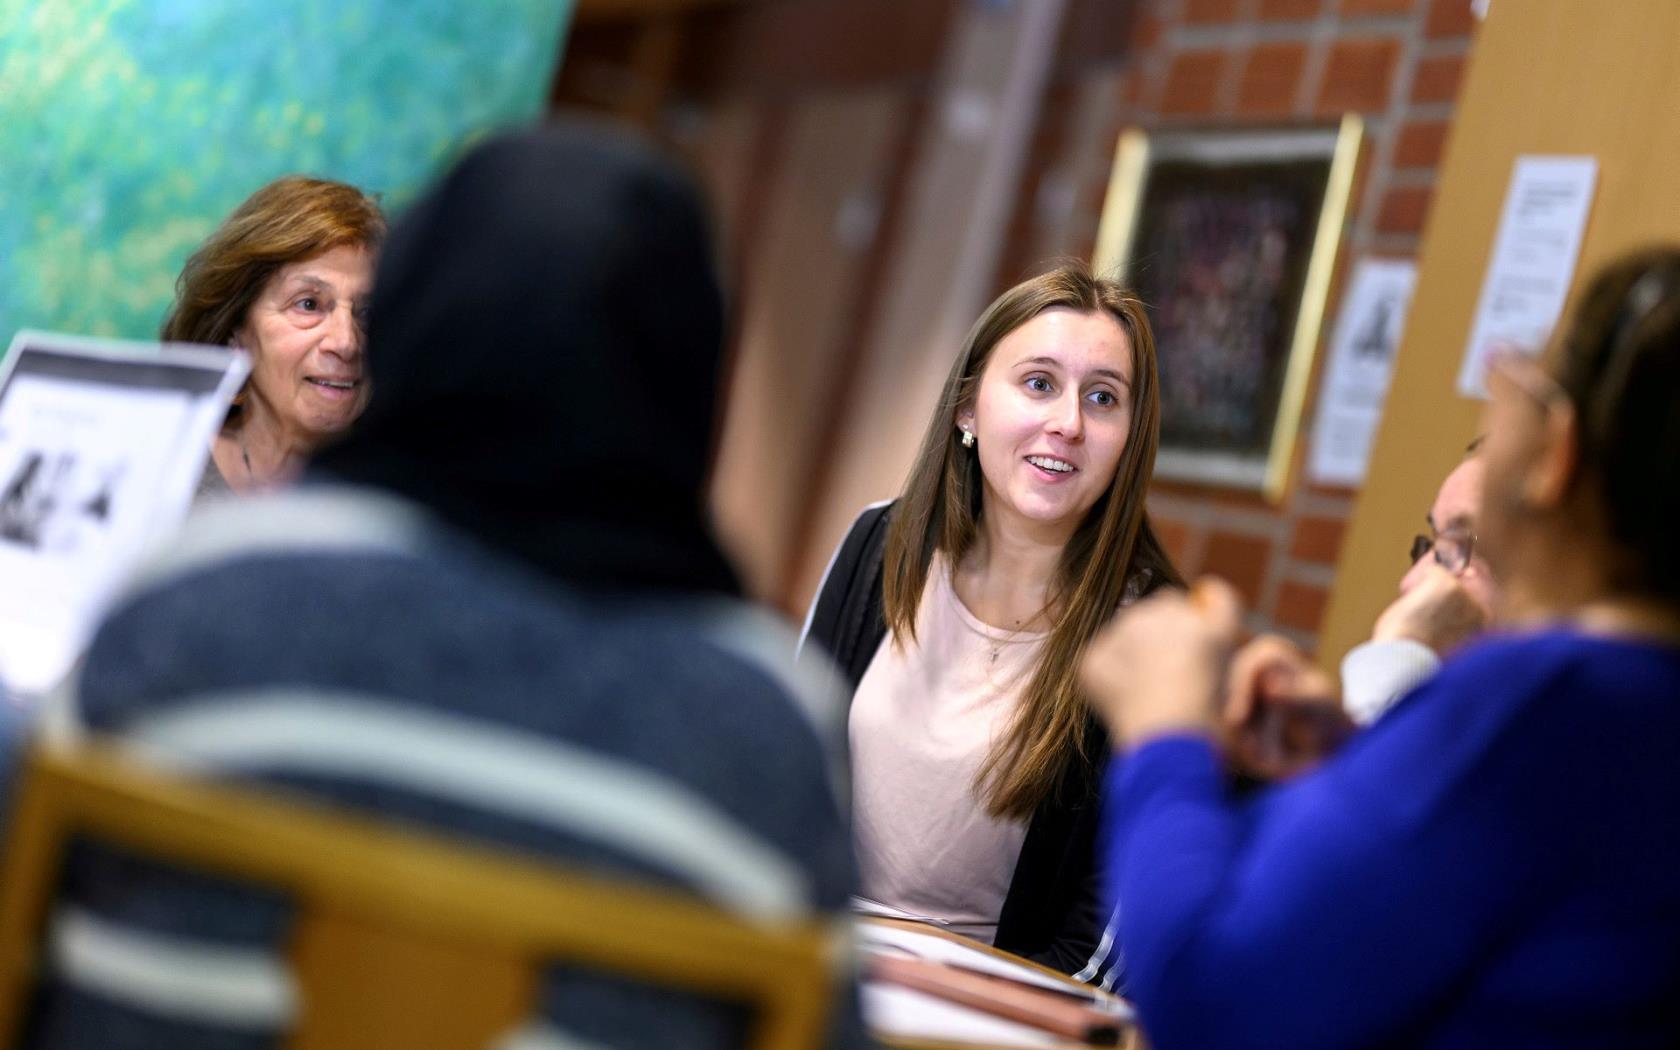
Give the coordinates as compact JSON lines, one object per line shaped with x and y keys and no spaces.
{"x":1452,"y":549}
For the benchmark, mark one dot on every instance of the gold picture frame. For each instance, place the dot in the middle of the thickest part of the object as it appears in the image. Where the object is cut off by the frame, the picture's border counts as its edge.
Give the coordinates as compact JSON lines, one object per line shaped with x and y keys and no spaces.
{"x":1230,"y":237}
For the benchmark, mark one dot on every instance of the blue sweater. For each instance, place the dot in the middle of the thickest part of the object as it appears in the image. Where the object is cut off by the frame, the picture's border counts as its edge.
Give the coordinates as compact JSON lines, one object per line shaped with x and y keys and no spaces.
{"x":1494,"y":864}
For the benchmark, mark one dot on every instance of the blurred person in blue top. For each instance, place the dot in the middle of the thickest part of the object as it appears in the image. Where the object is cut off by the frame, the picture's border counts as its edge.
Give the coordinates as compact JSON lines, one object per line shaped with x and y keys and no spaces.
{"x":495,"y":607}
{"x":1493,"y":863}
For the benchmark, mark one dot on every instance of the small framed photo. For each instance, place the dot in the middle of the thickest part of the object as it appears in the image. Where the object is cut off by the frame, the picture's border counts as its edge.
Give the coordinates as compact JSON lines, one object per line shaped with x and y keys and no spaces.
{"x":1230,"y":238}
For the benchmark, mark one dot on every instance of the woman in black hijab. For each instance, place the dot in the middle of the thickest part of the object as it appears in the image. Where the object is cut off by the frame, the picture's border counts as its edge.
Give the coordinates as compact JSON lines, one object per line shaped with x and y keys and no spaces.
{"x":544,"y":349}
{"x":547,"y":338}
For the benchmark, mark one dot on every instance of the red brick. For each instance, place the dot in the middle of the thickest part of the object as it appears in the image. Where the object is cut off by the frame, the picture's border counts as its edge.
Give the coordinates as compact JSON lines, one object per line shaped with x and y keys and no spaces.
{"x":1146,"y":31}
{"x":1300,"y":606}
{"x":1241,"y":501}
{"x":1436,"y":79}
{"x":1317,"y":540}
{"x":1289,"y":10}
{"x":1131,"y":89}
{"x":1240,"y":560}
{"x":1270,"y":79}
{"x":1363,"y":8}
{"x":1312,"y":488}
{"x":1359,"y":75}
{"x":1449,"y":18}
{"x":1403,"y":210}
{"x":1175,"y":537}
{"x":1193,"y":82}
{"x":1204,"y":12}
{"x":1420,"y":145}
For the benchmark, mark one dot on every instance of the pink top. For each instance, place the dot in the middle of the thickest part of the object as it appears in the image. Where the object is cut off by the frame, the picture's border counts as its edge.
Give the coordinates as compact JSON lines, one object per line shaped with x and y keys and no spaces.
{"x":922,"y":722}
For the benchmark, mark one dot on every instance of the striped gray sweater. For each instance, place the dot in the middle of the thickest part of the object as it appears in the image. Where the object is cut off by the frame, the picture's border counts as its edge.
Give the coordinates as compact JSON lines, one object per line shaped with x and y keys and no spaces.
{"x":339,"y":643}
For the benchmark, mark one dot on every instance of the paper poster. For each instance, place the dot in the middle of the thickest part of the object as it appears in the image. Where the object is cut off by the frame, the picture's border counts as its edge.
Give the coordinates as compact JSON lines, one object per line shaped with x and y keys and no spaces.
{"x":1534,"y":257}
{"x":101,"y":447}
{"x":1356,"y":377}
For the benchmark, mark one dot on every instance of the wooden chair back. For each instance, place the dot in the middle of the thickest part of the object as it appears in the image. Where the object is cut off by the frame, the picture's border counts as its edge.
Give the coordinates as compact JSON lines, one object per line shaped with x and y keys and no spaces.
{"x":404,"y":938}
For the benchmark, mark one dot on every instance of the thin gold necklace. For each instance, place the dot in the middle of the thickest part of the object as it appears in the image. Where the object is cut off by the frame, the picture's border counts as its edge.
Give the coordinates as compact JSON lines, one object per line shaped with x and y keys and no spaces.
{"x":994,"y":645}
{"x":997,"y":644}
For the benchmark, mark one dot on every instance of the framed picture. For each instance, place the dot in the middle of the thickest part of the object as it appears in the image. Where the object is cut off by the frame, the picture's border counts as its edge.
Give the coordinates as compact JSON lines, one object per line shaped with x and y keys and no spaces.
{"x":1230,"y":239}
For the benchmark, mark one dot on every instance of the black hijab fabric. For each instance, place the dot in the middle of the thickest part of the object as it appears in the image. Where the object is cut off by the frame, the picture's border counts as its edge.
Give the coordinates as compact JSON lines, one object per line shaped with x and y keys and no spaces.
{"x":544,"y":349}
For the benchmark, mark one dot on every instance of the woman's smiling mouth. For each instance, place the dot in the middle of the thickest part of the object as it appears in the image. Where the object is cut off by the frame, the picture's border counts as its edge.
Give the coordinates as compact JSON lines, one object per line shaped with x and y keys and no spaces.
{"x":1051,"y":466}
{"x":334,"y":389}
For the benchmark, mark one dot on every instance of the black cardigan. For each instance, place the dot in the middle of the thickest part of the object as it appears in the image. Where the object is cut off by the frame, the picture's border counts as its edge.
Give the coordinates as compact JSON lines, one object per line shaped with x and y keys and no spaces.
{"x":1054,"y":912}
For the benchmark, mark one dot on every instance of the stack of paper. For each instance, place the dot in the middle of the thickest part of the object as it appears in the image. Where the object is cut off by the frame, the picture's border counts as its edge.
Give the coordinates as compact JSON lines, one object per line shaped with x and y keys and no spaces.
{"x":912,"y":1005}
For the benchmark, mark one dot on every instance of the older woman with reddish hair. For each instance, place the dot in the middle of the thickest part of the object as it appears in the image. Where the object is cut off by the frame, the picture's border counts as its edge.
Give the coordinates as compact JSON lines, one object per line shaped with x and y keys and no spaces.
{"x":285,"y":278}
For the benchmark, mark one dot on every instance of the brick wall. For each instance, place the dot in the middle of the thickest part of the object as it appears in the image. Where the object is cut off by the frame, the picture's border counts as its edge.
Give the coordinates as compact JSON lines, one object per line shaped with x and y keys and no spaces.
{"x":1228,"y":63}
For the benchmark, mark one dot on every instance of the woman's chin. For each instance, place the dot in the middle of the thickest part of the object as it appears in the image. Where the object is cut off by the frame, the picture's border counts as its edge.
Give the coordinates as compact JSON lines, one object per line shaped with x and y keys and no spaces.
{"x":1048,"y":513}
{"x":324,"y":426}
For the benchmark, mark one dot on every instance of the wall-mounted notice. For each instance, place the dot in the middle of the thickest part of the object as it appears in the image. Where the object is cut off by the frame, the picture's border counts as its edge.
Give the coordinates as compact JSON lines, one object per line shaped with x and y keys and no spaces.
{"x":1361,"y":361}
{"x":101,"y":444}
{"x":1533,"y":260}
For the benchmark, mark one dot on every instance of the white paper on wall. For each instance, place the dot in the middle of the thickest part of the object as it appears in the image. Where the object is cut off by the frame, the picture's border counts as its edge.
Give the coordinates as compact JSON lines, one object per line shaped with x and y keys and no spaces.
{"x":1534,"y":255}
{"x":1356,"y":377}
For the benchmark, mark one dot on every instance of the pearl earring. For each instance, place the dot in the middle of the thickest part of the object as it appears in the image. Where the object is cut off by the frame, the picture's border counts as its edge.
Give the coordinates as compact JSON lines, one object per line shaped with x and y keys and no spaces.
{"x":968,"y":439}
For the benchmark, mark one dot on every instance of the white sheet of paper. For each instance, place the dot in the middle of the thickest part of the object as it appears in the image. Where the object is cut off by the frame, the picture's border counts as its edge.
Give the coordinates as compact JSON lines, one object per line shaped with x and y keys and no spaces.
{"x":101,"y":446}
{"x":1361,"y":363}
{"x":871,"y":906}
{"x":1534,"y":256}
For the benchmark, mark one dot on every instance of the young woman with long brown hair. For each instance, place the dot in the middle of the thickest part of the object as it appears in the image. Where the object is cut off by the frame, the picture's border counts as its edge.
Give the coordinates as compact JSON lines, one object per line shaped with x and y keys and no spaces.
{"x":959,"y":611}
